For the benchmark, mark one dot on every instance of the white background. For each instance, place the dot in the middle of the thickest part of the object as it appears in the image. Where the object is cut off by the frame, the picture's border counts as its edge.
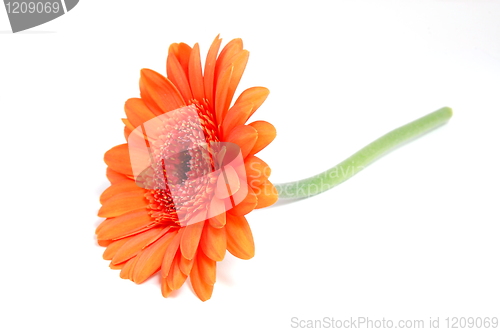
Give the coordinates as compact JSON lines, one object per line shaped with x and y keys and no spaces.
{"x":415,"y":235}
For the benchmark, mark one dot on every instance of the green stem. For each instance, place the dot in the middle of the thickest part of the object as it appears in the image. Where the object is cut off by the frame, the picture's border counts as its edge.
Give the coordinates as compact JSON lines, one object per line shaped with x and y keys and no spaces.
{"x":355,"y":163}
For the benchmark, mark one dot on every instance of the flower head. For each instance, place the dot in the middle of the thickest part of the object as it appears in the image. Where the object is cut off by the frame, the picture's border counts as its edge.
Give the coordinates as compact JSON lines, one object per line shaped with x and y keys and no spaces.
{"x":186,"y":178}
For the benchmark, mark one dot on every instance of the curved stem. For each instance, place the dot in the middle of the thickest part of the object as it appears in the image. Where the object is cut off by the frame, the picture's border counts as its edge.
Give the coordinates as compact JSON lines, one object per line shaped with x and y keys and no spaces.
{"x":355,"y":163}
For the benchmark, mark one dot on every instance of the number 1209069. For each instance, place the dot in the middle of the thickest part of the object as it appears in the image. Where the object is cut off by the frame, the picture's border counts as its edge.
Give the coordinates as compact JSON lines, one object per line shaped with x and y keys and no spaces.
{"x":32,"y":7}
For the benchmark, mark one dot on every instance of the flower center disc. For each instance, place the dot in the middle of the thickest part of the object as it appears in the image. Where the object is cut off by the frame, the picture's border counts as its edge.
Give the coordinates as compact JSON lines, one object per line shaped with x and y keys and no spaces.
{"x":179,"y":158}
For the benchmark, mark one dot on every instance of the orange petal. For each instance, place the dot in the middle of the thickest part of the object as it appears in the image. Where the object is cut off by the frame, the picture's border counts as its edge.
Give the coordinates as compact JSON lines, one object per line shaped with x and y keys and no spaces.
{"x":214,"y":242}
{"x":112,"y":249}
{"x":200,"y":287}
{"x":158,"y":93}
{"x":195,"y":74}
{"x":247,"y":205}
{"x":170,"y":253}
{"x":228,"y":183}
{"x":233,"y":57}
{"x":239,"y":237}
{"x":183,"y":52}
{"x":217,"y":210}
{"x":209,"y":74}
{"x":104,"y":223}
{"x":266,"y":194}
{"x":165,"y":290}
{"x":176,"y":278}
{"x":116,"y":267}
{"x":124,"y":225}
{"x":137,"y":112}
{"x":118,"y":188}
{"x":103,"y":243}
{"x":98,"y":229}
{"x":244,"y":136}
{"x":226,"y":56}
{"x":177,"y":75}
{"x":128,"y":125}
{"x":257,"y":171}
{"x":128,"y":269}
{"x":206,"y":268}
{"x":123,"y":203}
{"x":246,"y":104}
{"x":135,"y":245}
{"x":186,"y":265}
{"x":221,"y":93}
{"x":118,"y":159}
{"x":126,"y":132}
{"x":151,"y":258}
{"x":239,"y":62}
{"x":114,"y":176}
{"x":191,"y":239}
{"x":266,"y":134}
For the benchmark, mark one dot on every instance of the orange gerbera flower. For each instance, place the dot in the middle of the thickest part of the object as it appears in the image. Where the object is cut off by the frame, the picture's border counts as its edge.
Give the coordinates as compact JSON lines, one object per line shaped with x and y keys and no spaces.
{"x":176,"y":216}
